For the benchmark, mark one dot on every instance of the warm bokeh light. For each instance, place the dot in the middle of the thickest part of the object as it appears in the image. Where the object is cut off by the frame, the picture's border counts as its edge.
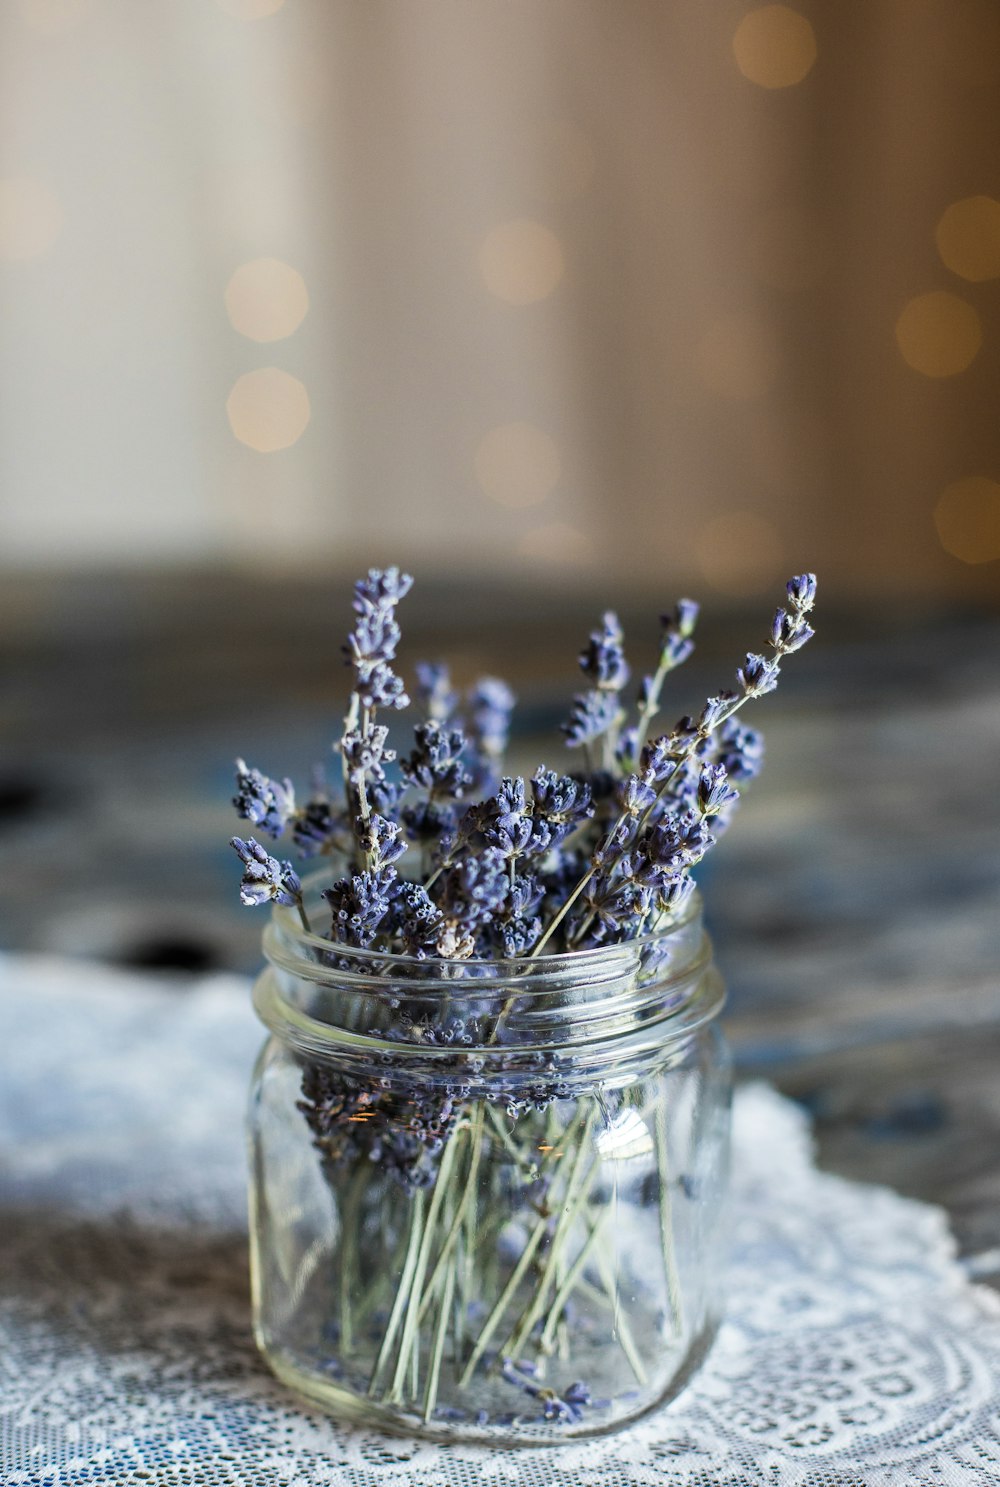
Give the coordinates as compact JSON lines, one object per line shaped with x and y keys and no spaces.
{"x":737,"y":356}
{"x":968,"y":238}
{"x":266,"y":299}
{"x":521,"y":261}
{"x":561,"y":162}
{"x":740,"y":553}
{"x":786,"y":249}
{"x":557,"y":544}
{"x":30,"y":218}
{"x":250,"y":10}
{"x":774,"y":46}
{"x":50,"y":17}
{"x":938,"y":334}
{"x":518,"y":465}
{"x":268,"y":409}
{"x":967,"y":518}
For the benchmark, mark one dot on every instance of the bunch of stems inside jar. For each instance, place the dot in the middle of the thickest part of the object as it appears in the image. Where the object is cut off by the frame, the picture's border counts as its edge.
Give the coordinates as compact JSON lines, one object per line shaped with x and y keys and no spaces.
{"x":456,"y":1300}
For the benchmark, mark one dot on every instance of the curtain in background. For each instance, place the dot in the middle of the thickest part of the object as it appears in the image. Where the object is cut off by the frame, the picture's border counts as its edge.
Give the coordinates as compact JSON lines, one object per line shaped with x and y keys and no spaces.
{"x":685,"y":291}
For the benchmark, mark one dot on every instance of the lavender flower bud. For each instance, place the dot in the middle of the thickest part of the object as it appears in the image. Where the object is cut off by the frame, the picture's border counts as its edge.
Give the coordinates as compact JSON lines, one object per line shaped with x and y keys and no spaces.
{"x":757,"y":675}
{"x":802,"y":592}
{"x":714,"y":710}
{"x":365,"y":754}
{"x":434,"y":690}
{"x":636,"y":796}
{"x":418,"y":920}
{"x":561,"y":802}
{"x":435,"y":763}
{"x":603,"y":661}
{"x":380,"y":840}
{"x":265,"y":879}
{"x":593,"y":714}
{"x":381,"y":687}
{"x":741,"y":750}
{"x":714,"y":793}
{"x":381,"y":588}
{"x":359,"y":904}
{"x":268,"y":804}
{"x":789,"y":634}
{"x":491,"y":703}
{"x":674,"y":893}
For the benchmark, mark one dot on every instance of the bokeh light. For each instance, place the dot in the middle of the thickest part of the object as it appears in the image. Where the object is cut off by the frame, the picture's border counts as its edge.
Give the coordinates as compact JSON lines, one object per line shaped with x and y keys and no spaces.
{"x":786,"y":249}
{"x":968,"y":238}
{"x":557,"y":544}
{"x":560,"y":161}
{"x":250,"y":10}
{"x":740,"y":553}
{"x":967,"y":518}
{"x":266,"y":299}
{"x":938,"y":334}
{"x":774,"y":46}
{"x":268,"y":409}
{"x":521,"y":261}
{"x":30,"y":218}
{"x":737,"y":356}
{"x":50,"y":17}
{"x":518,"y":465}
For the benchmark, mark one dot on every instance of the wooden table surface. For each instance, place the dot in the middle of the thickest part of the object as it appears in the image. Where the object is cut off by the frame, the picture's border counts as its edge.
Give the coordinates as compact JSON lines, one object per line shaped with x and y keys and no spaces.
{"x":855,"y":903}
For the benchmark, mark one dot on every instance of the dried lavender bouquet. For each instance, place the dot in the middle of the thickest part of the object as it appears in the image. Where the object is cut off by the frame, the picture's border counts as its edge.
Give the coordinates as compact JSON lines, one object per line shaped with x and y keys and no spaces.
{"x":462,"y":1154}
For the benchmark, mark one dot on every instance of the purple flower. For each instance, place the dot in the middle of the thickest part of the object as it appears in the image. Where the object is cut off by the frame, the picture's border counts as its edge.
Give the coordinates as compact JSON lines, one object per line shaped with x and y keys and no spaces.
{"x":789,"y":633}
{"x":365,"y":754}
{"x":715,"y":710}
{"x":436,"y":762}
{"x":380,"y":840}
{"x":714,"y":792}
{"x":359,"y":904}
{"x":491,"y":703}
{"x":740,"y":749}
{"x":382,"y":688}
{"x":265,"y":879}
{"x":470,"y":894}
{"x":802,"y":591}
{"x":561,"y":801}
{"x":381,"y":588}
{"x":603,"y":660}
{"x":268,"y":804}
{"x":593,"y":713}
{"x":635,"y":796}
{"x":757,"y":675}
{"x":434,"y":690}
{"x":418,"y":920}
{"x":372,"y":643}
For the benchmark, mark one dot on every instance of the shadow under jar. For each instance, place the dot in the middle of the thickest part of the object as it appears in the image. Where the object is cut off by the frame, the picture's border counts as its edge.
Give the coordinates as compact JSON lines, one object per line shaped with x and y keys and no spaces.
{"x":487,"y":1196}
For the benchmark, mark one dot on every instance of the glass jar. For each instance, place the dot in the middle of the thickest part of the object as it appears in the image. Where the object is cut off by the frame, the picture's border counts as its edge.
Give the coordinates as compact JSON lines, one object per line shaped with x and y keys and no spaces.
{"x":487,"y":1197}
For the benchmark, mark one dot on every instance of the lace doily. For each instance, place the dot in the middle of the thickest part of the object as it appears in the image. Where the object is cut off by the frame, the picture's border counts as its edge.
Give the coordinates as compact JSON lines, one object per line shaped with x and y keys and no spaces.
{"x":855,"y":1353}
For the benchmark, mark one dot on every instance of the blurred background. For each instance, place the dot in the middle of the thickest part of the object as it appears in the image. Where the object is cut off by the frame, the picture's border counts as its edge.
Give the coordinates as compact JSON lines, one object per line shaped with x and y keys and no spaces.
{"x":561,"y":306}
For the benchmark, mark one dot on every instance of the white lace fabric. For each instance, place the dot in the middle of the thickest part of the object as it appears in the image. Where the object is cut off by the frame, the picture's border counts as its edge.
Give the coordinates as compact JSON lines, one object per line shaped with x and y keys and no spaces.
{"x":855,"y":1352}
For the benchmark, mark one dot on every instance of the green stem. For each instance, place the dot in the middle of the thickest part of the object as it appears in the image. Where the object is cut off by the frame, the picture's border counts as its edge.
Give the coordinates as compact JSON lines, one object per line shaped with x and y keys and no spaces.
{"x":500,"y":1306}
{"x":416,"y":1284}
{"x":468,"y":1194}
{"x":575,"y":1196}
{"x":620,"y":1325}
{"x":666,"y":1222}
{"x":402,"y":1290}
{"x":437,"y":1348}
{"x":568,"y":1285}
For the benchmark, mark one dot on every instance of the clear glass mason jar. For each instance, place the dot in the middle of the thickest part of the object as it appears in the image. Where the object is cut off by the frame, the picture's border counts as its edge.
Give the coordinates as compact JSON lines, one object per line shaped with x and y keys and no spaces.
{"x":487,"y":1197}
